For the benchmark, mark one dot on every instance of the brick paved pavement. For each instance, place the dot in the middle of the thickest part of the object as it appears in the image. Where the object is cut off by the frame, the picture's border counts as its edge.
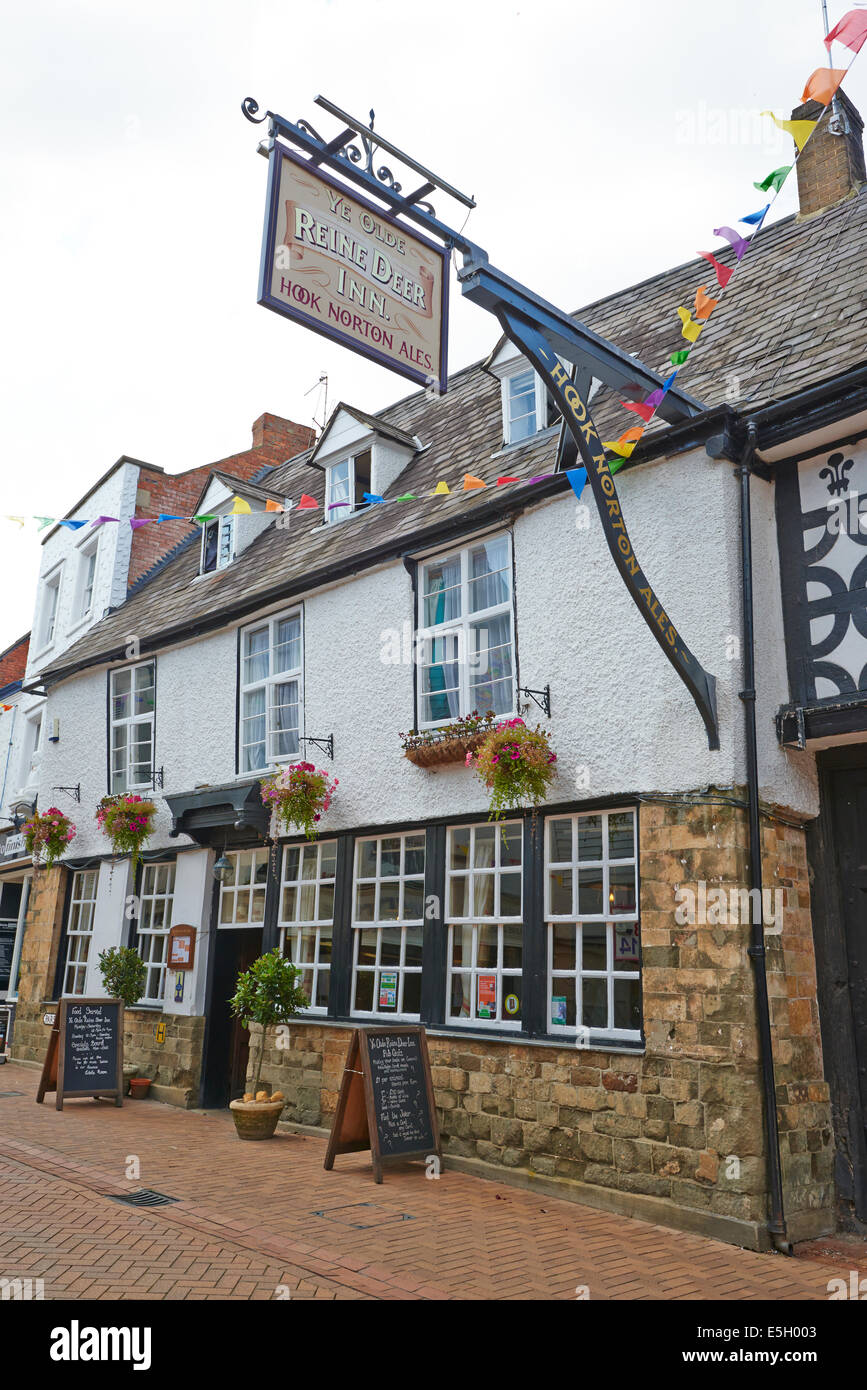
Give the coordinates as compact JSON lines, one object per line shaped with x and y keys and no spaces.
{"x":253,"y":1219}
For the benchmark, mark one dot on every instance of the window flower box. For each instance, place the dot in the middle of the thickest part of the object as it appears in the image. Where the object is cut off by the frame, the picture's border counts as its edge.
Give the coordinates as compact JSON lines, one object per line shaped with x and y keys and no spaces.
{"x":449,"y":744}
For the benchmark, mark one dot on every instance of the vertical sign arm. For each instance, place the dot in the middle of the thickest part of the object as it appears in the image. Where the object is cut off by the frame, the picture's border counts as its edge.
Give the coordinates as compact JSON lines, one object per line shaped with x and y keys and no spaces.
{"x":535,"y":347}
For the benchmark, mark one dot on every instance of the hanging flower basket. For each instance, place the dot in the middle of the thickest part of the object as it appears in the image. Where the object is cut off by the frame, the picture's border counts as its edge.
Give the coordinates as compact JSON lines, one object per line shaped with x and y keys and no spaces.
{"x":47,"y":835}
{"x":298,"y":796}
{"x":127,"y":821}
{"x":516,"y":765}
{"x":449,"y":744}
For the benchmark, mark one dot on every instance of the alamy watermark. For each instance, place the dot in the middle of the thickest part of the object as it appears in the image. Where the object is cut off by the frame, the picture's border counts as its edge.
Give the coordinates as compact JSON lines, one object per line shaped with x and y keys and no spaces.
{"x":722,"y":907}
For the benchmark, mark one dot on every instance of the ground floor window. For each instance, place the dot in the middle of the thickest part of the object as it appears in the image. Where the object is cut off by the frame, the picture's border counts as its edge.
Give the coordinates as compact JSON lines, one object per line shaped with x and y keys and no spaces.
{"x":387,"y":925}
{"x":307,"y":915}
{"x":591,"y":907}
{"x":79,"y":929}
{"x":156,"y":898}
{"x":485,"y":924}
{"x":242,"y":891}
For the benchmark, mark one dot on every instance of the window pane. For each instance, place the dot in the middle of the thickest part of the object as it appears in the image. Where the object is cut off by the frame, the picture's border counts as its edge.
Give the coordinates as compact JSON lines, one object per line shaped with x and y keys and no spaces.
{"x":563,"y":957}
{"x":512,"y":946}
{"x":595,"y":1008}
{"x":483,"y":855}
{"x":287,"y":649}
{"x":364,"y":990}
{"x":490,"y":575}
{"x":413,"y":899}
{"x":442,"y":595}
{"x":414,"y":854}
{"x":459,"y":897}
{"x":590,"y":893}
{"x":365,"y":902}
{"x":621,"y":838}
{"x":510,"y":895}
{"x":486,"y":954}
{"x":621,"y":888}
{"x":589,"y":837}
{"x":595,"y":948}
{"x":367,"y":859}
{"x":255,"y":663}
{"x":412,"y":993}
{"x":389,"y":951}
{"x":560,"y":883}
{"x":460,"y":848}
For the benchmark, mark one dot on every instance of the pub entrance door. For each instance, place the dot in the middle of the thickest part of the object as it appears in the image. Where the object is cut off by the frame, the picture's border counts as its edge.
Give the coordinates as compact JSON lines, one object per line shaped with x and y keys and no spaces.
{"x":838,"y":857}
{"x":228,"y":1044}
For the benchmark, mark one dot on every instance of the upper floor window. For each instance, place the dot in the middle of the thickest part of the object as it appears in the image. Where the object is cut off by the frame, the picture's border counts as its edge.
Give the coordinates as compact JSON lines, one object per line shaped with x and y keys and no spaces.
{"x":132,"y":707}
{"x":467,"y":647}
{"x":527,"y":407}
{"x":218,"y":543}
{"x":87,"y":558}
{"x":270,"y":711}
{"x":50,"y":601}
{"x":31,"y":748}
{"x":346,"y":484}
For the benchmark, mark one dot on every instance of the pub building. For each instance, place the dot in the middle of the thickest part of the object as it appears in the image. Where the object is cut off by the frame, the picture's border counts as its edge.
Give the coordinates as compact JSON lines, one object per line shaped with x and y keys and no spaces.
{"x":583,"y":970}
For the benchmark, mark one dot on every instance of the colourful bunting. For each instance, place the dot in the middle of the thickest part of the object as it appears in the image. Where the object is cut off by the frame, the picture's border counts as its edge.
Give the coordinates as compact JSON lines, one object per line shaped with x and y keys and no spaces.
{"x":170,"y":516}
{"x":307,"y":503}
{"x":851,"y":31}
{"x":723,"y":272}
{"x":738,"y":244}
{"x":626,"y":443}
{"x":615,"y":465}
{"x":642,"y":408}
{"x":19,"y":520}
{"x":577,"y":478}
{"x":71,"y":525}
{"x":407,"y":497}
{"x":822,"y":84}
{"x":239,"y":507}
{"x":656,"y":397}
{"x":44,"y":521}
{"x":540,"y":477}
{"x":7,"y":707}
{"x":372,"y":497}
{"x":502,"y":481}
{"x":273,"y":506}
{"x":204,"y":516}
{"x":440,"y":490}
{"x":704,"y":305}
{"x":98,"y":521}
{"x":800,"y":131}
{"x":136,"y":521}
{"x":677,"y":359}
{"x":690,"y":330}
{"x":470,"y":482}
{"x":774,"y":180}
{"x":755,"y":219}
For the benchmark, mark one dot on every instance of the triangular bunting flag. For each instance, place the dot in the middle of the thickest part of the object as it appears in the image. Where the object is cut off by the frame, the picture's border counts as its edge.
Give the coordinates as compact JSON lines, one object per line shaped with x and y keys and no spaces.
{"x":407,"y":497}
{"x":136,"y":521}
{"x":372,"y":497}
{"x":690,"y":330}
{"x":577,"y":479}
{"x":502,"y":481}
{"x":704,"y":305}
{"x":440,"y":490}
{"x":851,"y":31}
{"x":240,"y":507}
{"x":470,"y":482}
{"x":274,"y":506}
{"x":774,"y":180}
{"x":738,"y":244}
{"x":800,"y":131}
{"x":640,"y":407}
{"x":43,"y":521}
{"x":755,"y":219}
{"x":677,"y":359}
{"x":723,"y":272}
{"x":822,"y":84}
{"x":306,"y":503}
{"x":71,"y":525}
{"x":98,"y":521}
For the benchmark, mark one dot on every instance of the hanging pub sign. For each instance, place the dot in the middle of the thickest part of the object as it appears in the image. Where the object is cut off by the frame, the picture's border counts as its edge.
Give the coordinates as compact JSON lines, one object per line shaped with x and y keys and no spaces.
{"x":343,"y":267}
{"x":386,"y":1102}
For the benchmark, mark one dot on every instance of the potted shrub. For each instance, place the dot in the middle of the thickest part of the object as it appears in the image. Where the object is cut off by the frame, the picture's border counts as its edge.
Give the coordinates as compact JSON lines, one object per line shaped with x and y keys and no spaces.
{"x":298,"y":796}
{"x":450,"y":743}
{"x":127,"y":821}
{"x":47,"y":835}
{"x":516,"y":765}
{"x":123,"y":977}
{"x":267,"y":994}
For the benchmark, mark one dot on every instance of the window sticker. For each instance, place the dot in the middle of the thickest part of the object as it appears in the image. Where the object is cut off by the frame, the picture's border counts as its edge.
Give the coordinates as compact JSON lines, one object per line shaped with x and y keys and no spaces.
{"x":487,"y":996}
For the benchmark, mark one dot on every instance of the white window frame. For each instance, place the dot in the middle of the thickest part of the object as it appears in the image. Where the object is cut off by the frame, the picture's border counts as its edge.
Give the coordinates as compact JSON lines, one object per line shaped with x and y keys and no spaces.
{"x":82,"y":907}
{"x":519,"y":368}
{"x":225,"y":526}
{"x":244,"y":892}
{"x":610,"y":920}
{"x":473,"y":921}
{"x":152,"y":942}
{"x":460,"y":630}
{"x":377,"y":924}
{"x":86,"y":552}
{"x":268,"y":683}
{"x":31,"y":751}
{"x":131,"y":722}
{"x":293,"y":928}
{"x":335,"y":513}
{"x":51,"y":584}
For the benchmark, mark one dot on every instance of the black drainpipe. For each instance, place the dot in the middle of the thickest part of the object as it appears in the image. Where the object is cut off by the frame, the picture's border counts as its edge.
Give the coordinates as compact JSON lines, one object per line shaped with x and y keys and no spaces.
{"x":777,"y":1222}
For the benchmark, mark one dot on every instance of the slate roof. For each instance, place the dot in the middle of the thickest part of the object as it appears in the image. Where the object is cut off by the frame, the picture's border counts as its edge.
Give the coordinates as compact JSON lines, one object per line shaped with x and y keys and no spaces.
{"x":792,"y":317}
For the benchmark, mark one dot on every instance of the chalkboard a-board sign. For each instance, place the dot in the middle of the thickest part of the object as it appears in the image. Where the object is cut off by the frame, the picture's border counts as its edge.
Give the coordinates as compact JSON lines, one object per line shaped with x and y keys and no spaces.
{"x":85,"y":1052}
{"x":386,"y":1101}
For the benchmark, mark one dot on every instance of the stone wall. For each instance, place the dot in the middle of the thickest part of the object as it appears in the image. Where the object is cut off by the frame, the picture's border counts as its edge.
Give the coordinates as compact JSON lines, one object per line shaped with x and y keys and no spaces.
{"x":175,"y":1065}
{"x":39,"y":949}
{"x":680,"y":1126}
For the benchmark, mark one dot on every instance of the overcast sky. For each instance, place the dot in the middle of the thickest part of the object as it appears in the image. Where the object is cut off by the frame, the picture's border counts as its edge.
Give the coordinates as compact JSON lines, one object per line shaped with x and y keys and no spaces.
{"x":602,"y":142}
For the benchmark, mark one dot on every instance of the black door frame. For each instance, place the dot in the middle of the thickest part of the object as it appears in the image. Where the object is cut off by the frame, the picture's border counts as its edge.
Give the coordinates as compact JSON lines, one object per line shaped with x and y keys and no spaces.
{"x":838,"y":1026}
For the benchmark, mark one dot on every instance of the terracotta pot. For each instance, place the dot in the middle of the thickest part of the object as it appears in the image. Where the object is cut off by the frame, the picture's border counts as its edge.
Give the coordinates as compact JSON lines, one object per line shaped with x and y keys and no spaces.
{"x":139,"y":1086}
{"x":256,"y":1119}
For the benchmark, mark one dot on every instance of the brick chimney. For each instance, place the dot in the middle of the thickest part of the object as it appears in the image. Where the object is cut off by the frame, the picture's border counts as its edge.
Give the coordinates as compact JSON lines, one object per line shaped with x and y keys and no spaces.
{"x":831,"y":166}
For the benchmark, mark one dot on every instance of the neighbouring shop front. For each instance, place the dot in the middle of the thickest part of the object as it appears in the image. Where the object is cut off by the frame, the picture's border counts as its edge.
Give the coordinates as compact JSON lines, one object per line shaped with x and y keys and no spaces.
{"x":15,"y":879}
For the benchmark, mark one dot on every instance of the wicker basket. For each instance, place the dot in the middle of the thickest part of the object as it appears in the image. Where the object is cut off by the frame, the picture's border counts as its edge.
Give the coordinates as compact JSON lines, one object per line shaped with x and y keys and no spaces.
{"x":256,"y":1119}
{"x":447,"y":750}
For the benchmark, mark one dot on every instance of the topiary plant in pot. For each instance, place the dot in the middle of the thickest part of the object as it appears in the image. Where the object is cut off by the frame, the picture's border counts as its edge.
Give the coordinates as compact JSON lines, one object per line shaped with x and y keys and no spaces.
{"x":267,"y":994}
{"x":123,"y":977}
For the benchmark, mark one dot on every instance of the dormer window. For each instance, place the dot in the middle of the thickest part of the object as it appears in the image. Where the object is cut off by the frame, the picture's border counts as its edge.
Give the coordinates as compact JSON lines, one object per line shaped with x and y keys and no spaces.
{"x":218,"y":543}
{"x":346,"y":484}
{"x":527,"y":407}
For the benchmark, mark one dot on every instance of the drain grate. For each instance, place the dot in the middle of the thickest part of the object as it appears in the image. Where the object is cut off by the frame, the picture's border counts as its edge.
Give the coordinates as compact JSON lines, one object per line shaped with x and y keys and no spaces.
{"x":362,"y":1216}
{"x":4,"y":1095}
{"x":144,"y":1198}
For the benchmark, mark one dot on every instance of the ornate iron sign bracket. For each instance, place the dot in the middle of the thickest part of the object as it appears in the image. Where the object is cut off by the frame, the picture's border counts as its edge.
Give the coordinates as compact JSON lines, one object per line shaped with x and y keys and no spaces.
{"x":535,"y":347}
